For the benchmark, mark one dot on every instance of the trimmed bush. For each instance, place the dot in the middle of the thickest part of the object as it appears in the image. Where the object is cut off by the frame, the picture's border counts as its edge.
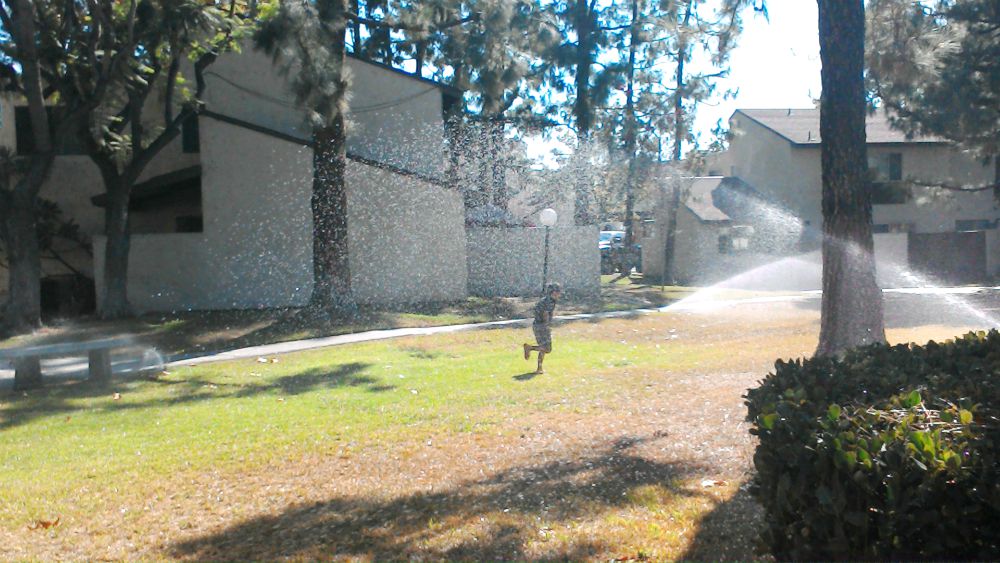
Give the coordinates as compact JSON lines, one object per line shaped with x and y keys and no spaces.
{"x":888,"y":453}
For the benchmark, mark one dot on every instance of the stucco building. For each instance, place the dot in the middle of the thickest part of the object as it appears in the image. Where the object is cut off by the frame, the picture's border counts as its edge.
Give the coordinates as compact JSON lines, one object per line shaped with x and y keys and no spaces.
{"x":920,"y":232}
{"x":221,"y":219}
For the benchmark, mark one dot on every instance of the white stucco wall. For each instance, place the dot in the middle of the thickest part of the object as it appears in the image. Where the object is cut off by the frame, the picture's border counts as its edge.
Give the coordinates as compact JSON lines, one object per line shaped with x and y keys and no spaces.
{"x":407,"y":241}
{"x":256,"y":247}
{"x":405,"y":236}
{"x":699,"y":263}
{"x":509,"y":262}
{"x":937,"y":163}
{"x":776,"y":169}
{"x":392,"y":118}
{"x":72,"y":181}
{"x":793,"y":175}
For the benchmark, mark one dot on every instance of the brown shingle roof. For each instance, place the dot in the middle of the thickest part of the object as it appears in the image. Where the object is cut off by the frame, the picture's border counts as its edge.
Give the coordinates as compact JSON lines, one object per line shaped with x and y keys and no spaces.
{"x":801,"y":126}
{"x":699,"y":199}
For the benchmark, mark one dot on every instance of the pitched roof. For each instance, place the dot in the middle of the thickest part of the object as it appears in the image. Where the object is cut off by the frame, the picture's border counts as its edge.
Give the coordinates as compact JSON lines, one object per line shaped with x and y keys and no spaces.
{"x":801,"y":126}
{"x":699,"y":199}
{"x":725,"y":199}
{"x":447,"y":88}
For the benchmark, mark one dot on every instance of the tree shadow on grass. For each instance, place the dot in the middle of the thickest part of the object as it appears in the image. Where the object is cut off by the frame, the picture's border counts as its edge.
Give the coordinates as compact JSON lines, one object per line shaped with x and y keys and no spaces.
{"x":729,"y":532}
{"x":494,"y":518}
{"x":21,"y":408}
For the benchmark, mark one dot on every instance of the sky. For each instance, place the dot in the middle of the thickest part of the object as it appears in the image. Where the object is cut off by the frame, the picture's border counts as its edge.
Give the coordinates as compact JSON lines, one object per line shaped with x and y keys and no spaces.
{"x":775,"y":65}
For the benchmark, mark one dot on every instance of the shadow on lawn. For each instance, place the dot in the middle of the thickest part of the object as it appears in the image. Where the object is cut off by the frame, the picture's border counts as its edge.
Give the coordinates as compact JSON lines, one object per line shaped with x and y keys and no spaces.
{"x":493,"y":518}
{"x":53,"y":400}
{"x":728,"y":532}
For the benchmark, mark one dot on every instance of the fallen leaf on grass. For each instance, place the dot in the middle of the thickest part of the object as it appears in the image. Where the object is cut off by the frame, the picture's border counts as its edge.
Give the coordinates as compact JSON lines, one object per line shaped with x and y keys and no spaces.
{"x":116,"y":397}
{"x":281,"y":399}
{"x":709,"y":483}
{"x":637,"y":557}
{"x":68,"y":418}
{"x":44,"y":524}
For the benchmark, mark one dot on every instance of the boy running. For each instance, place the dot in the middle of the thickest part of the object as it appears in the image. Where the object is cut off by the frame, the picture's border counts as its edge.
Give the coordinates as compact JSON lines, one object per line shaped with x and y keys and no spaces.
{"x":543,"y":323}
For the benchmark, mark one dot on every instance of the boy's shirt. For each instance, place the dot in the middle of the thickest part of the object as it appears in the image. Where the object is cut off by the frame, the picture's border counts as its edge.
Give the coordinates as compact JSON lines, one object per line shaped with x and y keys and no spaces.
{"x":544,"y":309}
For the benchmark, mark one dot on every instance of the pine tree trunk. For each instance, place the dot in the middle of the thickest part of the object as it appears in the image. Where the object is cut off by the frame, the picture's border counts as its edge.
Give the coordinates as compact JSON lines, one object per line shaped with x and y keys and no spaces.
{"x":582,"y":106}
{"x":331,"y":266}
{"x":23,"y":311}
{"x":674,"y":203}
{"x":630,"y":131}
{"x":852,"y":300}
{"x":114,"y":302}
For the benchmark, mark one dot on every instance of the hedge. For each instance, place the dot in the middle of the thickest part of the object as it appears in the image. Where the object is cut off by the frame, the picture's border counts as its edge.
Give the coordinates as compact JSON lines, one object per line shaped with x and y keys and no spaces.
{"x":890,"y":452}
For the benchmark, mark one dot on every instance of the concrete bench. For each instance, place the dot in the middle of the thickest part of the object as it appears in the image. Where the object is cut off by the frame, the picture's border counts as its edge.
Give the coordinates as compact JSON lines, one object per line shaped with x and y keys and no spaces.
{"x":28,"y":366}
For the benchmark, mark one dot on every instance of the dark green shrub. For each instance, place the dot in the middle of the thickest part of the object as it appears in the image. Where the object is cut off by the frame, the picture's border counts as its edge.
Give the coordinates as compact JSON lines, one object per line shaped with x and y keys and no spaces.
{"x":888,"y":453}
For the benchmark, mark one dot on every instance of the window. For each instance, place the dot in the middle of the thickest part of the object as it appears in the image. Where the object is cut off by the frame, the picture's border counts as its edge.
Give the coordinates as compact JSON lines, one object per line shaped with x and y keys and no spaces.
{"x":25,"y":139}
{"x":974,"y":224}
{"x":736,"y":239}
{"x":886,"y":167}
{"x":890,"y":193}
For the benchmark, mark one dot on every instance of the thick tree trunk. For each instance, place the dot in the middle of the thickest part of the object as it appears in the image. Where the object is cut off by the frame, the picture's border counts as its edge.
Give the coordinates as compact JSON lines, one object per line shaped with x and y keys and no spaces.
{"x":852,"y":300}
{"x":114,"y":301}
{"x":23,"y":311}
{"x":20,"y":220}
{"x":630,"y":131}
{"x":331,"y":266}
{"x":674,"y":201}
{"x":585,"y":25}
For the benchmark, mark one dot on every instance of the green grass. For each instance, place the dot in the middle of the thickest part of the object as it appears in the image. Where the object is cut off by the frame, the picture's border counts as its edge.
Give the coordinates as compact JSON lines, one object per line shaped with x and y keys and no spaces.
{"x":251,"y":413}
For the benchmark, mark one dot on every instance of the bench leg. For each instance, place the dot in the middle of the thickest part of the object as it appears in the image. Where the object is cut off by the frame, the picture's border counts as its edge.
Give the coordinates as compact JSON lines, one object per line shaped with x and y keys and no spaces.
{"x":27,"y":373}
{"x":100,"y":365}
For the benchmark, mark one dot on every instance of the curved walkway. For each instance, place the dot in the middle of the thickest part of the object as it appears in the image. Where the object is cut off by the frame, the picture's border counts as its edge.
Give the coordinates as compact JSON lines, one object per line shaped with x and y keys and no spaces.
{"x":73,"y":367}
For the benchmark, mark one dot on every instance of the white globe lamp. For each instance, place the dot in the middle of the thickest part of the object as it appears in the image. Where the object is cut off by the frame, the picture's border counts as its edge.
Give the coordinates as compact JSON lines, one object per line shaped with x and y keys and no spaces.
{"x":548,"y":217}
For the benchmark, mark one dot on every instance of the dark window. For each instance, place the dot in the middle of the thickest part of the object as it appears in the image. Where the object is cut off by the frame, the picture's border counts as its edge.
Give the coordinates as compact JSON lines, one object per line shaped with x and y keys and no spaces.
{"x":25,"y":140}
{"x":895,"y":166}
{"x":886,"y":166}
{"x":190,"y":142}
{"x":889,"y":193}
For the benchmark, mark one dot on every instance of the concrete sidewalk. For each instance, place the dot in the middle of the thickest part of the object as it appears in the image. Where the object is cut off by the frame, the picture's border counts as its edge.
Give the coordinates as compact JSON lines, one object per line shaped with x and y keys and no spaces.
{"x":73,"y":367}
{"x":77,"y":367}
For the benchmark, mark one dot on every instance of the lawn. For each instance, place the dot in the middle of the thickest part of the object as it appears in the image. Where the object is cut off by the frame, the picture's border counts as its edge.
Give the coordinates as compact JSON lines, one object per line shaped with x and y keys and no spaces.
{"x":631,"y":446}
{"x":199,"y":332}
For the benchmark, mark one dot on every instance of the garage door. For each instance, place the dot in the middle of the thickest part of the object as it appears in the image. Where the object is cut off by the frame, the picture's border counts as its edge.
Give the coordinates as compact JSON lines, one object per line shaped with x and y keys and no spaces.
{"x":949,"y":258}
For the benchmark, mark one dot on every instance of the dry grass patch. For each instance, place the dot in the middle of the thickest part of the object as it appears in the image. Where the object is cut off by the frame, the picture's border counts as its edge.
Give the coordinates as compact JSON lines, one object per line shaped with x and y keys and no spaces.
{"x":632,"y":446}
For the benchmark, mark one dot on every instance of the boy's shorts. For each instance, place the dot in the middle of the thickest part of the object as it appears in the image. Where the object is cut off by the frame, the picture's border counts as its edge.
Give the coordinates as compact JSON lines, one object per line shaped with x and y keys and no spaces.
{"x":543,"y":335}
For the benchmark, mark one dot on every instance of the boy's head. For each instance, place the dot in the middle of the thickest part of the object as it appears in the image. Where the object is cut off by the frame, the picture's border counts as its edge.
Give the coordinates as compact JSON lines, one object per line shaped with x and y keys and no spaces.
{"x":553,"y":290}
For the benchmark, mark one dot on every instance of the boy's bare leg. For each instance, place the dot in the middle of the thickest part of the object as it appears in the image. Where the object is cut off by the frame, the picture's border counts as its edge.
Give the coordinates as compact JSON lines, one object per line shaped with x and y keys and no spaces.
{"x":541,"y":357}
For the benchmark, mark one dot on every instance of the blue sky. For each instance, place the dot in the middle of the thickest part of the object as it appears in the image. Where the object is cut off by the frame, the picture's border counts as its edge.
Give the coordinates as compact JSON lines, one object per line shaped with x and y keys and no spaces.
{"x":775,"y":65}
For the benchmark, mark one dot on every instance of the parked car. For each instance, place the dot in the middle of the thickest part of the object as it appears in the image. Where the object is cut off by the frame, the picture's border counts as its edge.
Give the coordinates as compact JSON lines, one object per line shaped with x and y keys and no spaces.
{"x":613,"y":254}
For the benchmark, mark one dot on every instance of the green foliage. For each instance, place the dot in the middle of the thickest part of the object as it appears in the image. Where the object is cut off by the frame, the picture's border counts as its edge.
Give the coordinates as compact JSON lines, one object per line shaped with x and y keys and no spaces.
{"x":936,"y":64}
{"x":888,"y":453}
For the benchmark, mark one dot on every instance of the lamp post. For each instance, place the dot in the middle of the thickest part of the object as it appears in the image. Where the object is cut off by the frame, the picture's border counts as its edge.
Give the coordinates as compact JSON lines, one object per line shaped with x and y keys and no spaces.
{"x":548,"y":218}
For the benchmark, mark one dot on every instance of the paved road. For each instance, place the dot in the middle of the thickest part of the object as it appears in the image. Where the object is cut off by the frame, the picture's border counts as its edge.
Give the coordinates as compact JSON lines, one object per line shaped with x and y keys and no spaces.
{"x":959,"y":306}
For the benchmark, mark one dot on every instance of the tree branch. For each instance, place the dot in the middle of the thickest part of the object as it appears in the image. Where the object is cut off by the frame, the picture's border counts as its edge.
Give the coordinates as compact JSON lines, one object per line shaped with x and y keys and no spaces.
{"x":403,"y":27}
